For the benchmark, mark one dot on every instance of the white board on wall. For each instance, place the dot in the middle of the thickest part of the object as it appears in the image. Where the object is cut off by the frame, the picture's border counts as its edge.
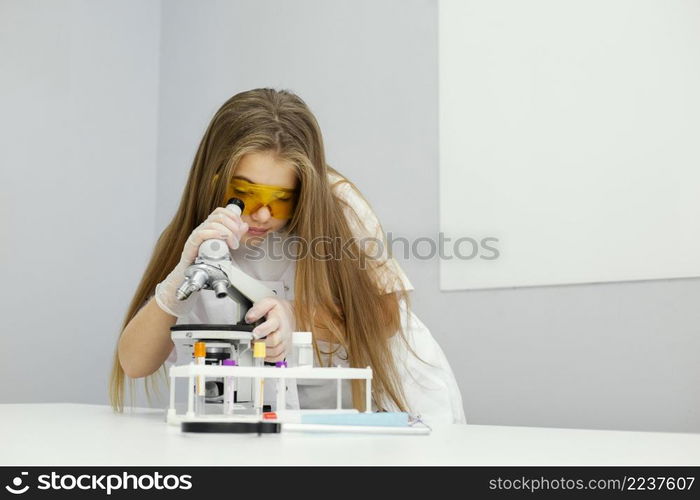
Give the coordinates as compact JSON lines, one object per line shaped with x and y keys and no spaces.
{"x":569,"y":133}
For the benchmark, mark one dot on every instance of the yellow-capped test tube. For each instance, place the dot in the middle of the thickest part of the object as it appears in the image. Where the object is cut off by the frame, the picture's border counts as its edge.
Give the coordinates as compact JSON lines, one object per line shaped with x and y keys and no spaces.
{"x":259,"y":354}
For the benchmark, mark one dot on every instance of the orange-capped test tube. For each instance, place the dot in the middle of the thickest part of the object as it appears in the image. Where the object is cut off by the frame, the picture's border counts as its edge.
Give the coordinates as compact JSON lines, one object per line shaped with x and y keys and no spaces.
{"x":200,"y":356}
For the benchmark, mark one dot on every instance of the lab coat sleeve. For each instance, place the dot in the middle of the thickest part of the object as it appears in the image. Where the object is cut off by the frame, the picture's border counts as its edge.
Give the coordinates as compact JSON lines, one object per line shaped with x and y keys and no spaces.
{"x":366,"y":228}
{"x":429,"y":384}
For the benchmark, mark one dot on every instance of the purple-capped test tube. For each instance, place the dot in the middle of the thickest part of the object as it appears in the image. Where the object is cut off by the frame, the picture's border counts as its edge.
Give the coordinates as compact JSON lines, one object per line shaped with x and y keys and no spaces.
{"x":229,"y":388}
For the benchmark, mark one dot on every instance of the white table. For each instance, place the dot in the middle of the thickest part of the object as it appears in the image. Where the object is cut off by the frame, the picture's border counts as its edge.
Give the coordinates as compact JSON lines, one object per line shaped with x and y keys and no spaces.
{"x":77,"y":434}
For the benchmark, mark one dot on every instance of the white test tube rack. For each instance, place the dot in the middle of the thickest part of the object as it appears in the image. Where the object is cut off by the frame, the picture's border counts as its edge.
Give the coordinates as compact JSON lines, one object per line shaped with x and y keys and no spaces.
{"x":191,"y":371}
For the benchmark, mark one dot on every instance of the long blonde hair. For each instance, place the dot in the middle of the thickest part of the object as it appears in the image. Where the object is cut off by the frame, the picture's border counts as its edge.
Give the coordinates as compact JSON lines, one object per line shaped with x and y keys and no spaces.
{"x":339,"y":294}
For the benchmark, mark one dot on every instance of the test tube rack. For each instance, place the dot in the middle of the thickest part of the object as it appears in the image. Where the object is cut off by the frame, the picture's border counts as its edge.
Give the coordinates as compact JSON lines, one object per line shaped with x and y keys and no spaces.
{"x":191,"y":371}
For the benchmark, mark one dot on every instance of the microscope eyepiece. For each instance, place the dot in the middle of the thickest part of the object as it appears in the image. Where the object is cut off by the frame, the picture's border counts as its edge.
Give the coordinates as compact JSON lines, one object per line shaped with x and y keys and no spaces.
{"x":236,"y":201}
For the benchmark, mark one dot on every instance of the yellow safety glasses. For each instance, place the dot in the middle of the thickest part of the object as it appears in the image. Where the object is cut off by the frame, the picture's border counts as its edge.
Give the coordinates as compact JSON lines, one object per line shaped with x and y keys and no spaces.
{"x":280,"y":201}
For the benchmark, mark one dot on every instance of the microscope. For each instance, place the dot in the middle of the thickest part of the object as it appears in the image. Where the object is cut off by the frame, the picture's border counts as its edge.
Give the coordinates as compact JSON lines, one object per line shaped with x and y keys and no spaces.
{"x":213,"y":270}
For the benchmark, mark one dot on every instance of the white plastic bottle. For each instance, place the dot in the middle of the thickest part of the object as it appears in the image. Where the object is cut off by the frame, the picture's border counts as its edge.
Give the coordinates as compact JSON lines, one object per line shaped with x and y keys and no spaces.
{"x":303,"y":349}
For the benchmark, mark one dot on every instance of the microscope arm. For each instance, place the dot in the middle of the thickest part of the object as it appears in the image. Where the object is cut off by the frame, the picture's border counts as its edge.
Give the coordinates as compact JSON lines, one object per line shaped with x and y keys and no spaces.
{"x":247,"y":286}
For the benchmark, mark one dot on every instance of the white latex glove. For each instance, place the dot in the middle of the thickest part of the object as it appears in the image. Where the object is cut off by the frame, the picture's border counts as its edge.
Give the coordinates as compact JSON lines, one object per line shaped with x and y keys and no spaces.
{"x":221,"y":224}
{"x":276,"y":329}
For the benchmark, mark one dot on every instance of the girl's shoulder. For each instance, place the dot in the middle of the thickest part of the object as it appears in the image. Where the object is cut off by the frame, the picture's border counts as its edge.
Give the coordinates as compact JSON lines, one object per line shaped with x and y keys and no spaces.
{"x":341,"y":187}
{"x":334,"y":176}
{"x":367,"y":229}
{"x":357,"y":209}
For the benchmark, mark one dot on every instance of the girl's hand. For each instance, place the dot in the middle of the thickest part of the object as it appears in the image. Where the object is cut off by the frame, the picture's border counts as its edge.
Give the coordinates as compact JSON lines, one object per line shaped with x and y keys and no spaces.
{"x":223,"y":224}
{"x":278,"y":327}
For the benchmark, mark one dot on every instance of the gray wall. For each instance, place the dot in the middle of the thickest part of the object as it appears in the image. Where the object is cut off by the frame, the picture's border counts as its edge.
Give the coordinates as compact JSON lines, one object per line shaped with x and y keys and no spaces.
{"x":618,"y":355}
{"x":78,"y":115}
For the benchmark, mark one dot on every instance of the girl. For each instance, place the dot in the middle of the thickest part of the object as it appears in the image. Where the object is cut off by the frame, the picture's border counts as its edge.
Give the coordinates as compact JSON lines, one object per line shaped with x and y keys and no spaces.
{"x":265,"y":147}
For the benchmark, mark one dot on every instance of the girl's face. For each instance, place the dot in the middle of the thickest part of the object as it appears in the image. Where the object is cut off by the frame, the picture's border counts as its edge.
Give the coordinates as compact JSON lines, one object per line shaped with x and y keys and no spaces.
{"x":266,"y":169}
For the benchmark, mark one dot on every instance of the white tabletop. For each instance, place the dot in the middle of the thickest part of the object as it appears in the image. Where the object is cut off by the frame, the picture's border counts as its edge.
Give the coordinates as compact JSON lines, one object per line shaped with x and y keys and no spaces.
{"x":76,"y":434}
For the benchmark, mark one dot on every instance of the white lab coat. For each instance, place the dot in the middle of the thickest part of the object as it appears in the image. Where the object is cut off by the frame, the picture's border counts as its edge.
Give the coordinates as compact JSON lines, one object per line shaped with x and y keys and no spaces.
{"x":429,"y":384}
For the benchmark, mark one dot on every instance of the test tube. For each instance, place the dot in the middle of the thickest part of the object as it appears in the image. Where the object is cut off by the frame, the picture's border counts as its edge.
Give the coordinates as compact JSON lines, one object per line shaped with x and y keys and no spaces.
{"x":281,"y":388}
{"x":229,"y":389}
{"x":259,"y":382}
{"x":200,"y":355}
